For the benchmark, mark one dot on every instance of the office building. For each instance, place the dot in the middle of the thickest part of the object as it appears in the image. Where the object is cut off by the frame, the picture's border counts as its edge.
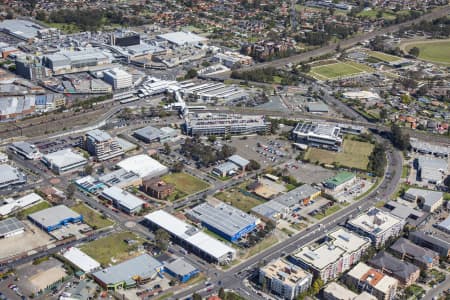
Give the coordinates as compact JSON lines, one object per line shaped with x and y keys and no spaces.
{"x":335,"y":291}
{"x":431,"y":170}
{"x":125,"y":39}
{"x":55,"y":217}
{"x":121,"y":178}
{"x":224,"y":124}
{"x":405,"y":272}
{"x":128,"y":274}
{"x":340,"y":181}
{"x":378,"y":225}
{"x":223,"y":219}
{"x":10,"y":227}
{"x":338,"y":253}
{"x":157,"y":188}
{"x":318,"y":135}
{"x":366,"y":278}
{"x":64,"y":161}
{"x":101,"y":145}
{"x":444,"y":225}
{"x":284,"y":279}
{"x":10,"y":176}
{"x":123,"y":200}
{"x":436,"y":242}
{"x":422,"y":257}
{"x":428,"y":200}
{"x":89,"y":184}
{"x":181,"y":270}
{"x":27,"y":150}
{"x":191,"y":238}
{"x":144,"y":166}
{"x":31,"y":69}
{"x":118,"y":78}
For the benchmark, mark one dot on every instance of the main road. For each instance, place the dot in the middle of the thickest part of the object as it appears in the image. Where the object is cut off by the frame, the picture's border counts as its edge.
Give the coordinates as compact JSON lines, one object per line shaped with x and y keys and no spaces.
{"x":230,"y":279}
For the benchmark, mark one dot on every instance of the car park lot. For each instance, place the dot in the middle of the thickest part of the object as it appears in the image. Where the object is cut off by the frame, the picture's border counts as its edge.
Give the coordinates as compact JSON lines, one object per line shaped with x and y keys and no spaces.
{"x":306,"y":172}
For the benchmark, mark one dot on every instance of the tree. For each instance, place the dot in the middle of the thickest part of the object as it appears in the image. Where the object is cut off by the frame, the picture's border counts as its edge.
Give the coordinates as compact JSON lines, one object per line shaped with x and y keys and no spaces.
{"x":316,"y":286}
{"x":399,"y":139}
{"x":71,"y":188}
{"x":177,"y":167}
{"x":167,"y":148}
{"x":383,"y":114}
{"x":253,"y":165}
{"x":222,"y":294}
{"x":377,"y":160}
{"x":88,"y":169}
{"x":212,"y":138}
{"x":196,"y":296}
{"x":162,"y":239}
{"x":192,"y":73}
{"x":414,"y":51}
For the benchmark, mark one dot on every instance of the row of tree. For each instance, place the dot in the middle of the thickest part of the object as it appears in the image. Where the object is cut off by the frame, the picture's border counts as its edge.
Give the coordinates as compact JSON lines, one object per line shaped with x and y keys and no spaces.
{"x":205,"y":154}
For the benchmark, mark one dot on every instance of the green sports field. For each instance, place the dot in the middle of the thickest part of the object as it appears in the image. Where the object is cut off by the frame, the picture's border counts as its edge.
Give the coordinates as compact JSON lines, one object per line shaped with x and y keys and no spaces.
{"x":336,"y":70}
{"x":383,"y":56}
{"x":437,"y":51}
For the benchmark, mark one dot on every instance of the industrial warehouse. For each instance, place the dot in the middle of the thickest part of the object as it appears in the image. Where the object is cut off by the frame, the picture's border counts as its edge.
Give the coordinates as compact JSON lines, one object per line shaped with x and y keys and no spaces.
{"x":64,"y":161}
{"x":123,"y":200}
{"x":55,"y":217}
{"x":225,"y":220}
{"x":223,"y":124}
{"x":319,"y":135}
{"x":143,"y":165}
{"x":191,"y":237}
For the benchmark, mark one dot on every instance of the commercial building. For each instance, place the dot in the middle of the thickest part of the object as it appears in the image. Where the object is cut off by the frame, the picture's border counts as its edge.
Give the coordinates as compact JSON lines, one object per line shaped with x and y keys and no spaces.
{"x":317,"y":107}
{"x":213,"y":92}
{"x":182,"y":39}
{"x":407,"y":250}
{"x":89,"y":184}
{"x":225,"y":169}
{"x":27,"y":150}
{"x":144,"y":166}
{"x":31,"y":69}
{"x":125,"y":39}
{"x":410,"y":215}
{"x":405,"y":272}
{"x":128,"y":274}
{"x":181,"y":270}
{"x":10,"y":176}
{"x":271,"y":210}
{"x":444,"y":225}
{"x":54,"y":217}
{"x":378,"y":225}
{"x":239,"y":161}
{"x":368,"y":279}
{"x":21,"y":29}
{"x":101,"y":145}
{"x":11,"y":227}
{"x":121,"y":178}
{"x":335,"y":291}
{"x":438,"y":243}
{"x":81,"y":260}
{"x":152,"y":134}
{"x":341,"y":250}
{"x":191,"y":238}
{"x":157,"y":188}
{"x":428,"y":200}
{"x":427,"y":148}
{"x":224,"y":124}
{"x":118,"y":78}
{"x":301,"y":195}
{"x":223,"y":219}
{"x":11,"y":205}
{"x":64,"y":161}
{"x":123,"y":200}
{"x":76,"y":61}
{"x":231,"y":59}
{"x":284,"y":279}
{"x":431,"y":170}
{"x":14,"y":107}
{"x":340,"y":181}
{"x":318,"y":135}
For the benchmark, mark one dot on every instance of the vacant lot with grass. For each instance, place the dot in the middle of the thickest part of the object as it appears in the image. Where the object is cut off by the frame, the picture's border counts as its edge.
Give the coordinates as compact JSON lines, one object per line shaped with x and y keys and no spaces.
{"x":112,"y":249}
{"x":383,"y":56}
{"x":91,"y":217}
{"x":32,"y":209}
{"x":437,"y":51}
{"x":354,"y":155}
{"x":238,"y":199}
{"x":185,"y":183}
{"x":336,"y":70}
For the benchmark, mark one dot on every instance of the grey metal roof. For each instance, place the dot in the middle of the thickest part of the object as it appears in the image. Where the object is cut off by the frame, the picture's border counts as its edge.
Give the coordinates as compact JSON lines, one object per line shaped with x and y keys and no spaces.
{"x":238,"y":160}
{"x":98,"y":135}
{"x":404,"y":246}
{"x":24,"y":29}
{"x":317,"y":107}
{"x":149,"y":133}
{"x":123,"y":197}
{"x":224,"y":217}
{"x":10,"y":225}
{"x":226,"y":167}
{"x":296,"y":195}
{"x":180,"y":267}
{"x":397,"y":267}
{"x":143,"y":266}
{"x":53,"y":215}
{"x":445,"y":225}
{"x":430,"y":197}
{"x":442,"y":241}
{"x":269,"y":209}
{"x":8,"y":173}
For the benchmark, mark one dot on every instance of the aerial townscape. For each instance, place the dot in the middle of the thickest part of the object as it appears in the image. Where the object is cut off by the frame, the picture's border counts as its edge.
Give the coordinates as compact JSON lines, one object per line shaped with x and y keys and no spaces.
{"x":225,"y":149}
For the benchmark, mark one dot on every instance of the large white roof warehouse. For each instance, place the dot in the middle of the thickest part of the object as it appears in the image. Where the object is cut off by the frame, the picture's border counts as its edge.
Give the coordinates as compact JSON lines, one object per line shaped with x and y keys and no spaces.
{"x":143,"y":165}
{"x":197,"y":240}
{"x":181,"y":38}
{"x":81,"y":260}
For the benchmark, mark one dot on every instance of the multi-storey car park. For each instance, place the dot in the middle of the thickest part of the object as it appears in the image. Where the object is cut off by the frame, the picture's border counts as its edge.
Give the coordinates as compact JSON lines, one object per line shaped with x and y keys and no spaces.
{"x":319,"y":135}
{"x":223,"y":124}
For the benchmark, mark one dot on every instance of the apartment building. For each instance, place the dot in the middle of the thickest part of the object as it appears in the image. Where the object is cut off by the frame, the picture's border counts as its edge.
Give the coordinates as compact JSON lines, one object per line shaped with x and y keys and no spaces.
{"x":101,"y":145}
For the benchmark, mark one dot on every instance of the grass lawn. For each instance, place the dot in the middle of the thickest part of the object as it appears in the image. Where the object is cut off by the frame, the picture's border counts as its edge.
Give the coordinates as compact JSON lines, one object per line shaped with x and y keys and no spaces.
{"x":238,"y":199}
{"x":336,"y":70}
{"x":372,"y":14}
{"x":383,"y":56}
{"x":434,"y":51}
{"x":329,"y":211}
{"x":32,"y":209}
{"x":185,"y":183}
{"x":405,"y":171}
{"x":91,"y":217}
{"x":277,"y":79}
{"x":264,"y":244}
{"x":354,"y":155}
{"x":414,"y":291}
{"x":112,"y":249}
{"x":66,"y":28}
